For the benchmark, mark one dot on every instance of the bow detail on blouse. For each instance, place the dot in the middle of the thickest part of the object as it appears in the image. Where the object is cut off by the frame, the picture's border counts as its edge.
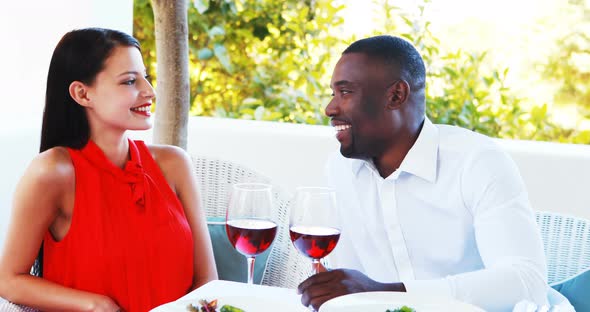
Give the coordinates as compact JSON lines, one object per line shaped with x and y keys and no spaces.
{"x":134,"y":175}
{"x":131,"y":174}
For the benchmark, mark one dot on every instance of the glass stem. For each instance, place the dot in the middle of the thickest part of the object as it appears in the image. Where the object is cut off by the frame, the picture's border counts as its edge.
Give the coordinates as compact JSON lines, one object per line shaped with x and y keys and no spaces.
{"x":250,"y":270}
{"x":315,"y":266}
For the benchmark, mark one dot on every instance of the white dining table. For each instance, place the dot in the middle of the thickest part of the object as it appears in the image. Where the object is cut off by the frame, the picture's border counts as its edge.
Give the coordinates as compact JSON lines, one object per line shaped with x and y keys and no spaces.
{"x":225,"y":289}
{"x":260,"y":298}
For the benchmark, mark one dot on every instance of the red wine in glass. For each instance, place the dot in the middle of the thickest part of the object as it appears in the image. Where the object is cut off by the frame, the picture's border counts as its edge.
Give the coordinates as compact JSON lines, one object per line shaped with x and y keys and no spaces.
{"x":315,"y":242}
{"x":313,"y":223}
{"x":251,"y":237}
{"x":249,"y":221}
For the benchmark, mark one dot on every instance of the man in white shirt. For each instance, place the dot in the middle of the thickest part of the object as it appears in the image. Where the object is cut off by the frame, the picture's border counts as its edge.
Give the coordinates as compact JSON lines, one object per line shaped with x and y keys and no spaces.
{"x":424,"y":208}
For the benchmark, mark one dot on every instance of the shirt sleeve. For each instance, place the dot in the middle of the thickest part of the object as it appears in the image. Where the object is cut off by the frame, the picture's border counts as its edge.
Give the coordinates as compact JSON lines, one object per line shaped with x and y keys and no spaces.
{"x":507,"y":237}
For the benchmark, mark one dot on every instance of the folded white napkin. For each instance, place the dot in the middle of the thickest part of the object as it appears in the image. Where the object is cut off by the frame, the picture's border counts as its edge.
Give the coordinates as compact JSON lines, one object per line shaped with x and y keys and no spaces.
{"x":525,"y":306}
{"x":557,"y":303}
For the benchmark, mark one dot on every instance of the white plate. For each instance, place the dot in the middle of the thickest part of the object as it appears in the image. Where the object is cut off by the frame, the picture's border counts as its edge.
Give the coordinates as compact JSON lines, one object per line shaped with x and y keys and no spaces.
{"x":381,"y":301}
{"x":248,"y":304}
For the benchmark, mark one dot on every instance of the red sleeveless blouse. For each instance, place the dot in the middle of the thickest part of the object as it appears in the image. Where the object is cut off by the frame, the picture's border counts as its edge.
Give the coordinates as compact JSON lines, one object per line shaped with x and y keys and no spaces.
{"x":129,"y":238}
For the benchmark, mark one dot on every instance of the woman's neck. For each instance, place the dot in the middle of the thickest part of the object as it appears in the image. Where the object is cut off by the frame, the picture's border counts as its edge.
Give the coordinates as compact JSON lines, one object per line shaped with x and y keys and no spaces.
{"x":115,"y":148}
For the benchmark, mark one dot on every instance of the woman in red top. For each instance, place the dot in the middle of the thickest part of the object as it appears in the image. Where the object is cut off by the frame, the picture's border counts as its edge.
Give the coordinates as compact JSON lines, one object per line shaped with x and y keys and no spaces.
{"x":116,"y":224}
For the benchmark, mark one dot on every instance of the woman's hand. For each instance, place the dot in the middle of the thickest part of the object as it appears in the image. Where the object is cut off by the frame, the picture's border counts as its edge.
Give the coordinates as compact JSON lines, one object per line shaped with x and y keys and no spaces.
{"x":104,"y":304}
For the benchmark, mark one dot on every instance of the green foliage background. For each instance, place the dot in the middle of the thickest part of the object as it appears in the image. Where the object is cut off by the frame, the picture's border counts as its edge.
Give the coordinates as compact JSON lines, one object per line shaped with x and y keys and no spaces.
{"x":272,"y":60}
{"x":254,"y":59}
{"x":569,"y":64}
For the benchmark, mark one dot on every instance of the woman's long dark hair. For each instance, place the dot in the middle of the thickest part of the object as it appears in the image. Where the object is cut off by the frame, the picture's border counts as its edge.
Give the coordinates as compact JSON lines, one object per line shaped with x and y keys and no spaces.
{"x":79,"y":56}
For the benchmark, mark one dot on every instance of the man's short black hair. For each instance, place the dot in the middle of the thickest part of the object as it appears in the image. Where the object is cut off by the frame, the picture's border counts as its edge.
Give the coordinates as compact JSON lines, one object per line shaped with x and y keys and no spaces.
{"x":396,"y":51}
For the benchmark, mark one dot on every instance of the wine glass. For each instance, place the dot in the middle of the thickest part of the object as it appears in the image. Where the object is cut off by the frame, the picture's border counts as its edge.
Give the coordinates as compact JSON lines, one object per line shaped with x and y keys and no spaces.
{"x":249,"y":223}
{"x":313,"y":223}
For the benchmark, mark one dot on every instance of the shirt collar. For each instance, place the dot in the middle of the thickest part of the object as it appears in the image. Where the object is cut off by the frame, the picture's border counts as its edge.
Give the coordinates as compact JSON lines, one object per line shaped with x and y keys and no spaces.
{"x":422,"y":158}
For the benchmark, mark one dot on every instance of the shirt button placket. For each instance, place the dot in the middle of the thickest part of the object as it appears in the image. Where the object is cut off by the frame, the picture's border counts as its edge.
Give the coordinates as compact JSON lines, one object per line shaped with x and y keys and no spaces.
{"x":394,"y":230}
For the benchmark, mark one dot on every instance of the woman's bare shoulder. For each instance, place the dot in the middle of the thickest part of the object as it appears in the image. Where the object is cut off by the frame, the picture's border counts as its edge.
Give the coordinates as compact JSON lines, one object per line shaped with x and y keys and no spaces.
{"x":50,"y":177}
{"x":169,"y":155}
{"x":175,"y":164}
{"x":52,"y":166}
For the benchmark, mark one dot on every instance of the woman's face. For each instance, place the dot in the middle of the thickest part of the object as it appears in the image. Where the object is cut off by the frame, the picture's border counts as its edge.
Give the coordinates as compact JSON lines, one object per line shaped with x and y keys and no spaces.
{"x":120,"y":97}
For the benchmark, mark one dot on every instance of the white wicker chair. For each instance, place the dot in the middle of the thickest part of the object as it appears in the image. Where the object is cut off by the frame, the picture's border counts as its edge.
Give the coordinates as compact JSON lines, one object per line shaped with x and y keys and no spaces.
{"x":6,"y":306}
{"x":285,"y":267}
{"x":566,"y":241}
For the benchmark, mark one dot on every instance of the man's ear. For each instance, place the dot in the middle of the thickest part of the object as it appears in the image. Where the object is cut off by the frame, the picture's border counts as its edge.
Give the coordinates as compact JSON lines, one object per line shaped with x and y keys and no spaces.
{"x":397,"y":94}
{"x":79,"y":92}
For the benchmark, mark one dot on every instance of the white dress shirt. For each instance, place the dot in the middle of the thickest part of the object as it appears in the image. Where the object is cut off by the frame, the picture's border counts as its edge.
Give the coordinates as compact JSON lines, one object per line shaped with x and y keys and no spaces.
{"x":454,"y":219}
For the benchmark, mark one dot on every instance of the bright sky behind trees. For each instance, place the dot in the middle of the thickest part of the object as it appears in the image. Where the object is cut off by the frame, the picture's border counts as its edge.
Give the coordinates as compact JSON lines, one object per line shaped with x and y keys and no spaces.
{"x":519,"y":34}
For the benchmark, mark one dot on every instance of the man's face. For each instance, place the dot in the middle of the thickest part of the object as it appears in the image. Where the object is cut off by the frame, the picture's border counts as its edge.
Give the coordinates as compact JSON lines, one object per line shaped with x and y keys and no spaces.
{"x":358,"y":106}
